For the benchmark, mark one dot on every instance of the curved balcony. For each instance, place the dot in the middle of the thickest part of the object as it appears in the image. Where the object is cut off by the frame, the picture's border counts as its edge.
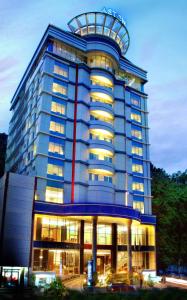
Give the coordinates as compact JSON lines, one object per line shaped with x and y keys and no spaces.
{"x":103,"y":73}
{"x":97,"y":143}
{"x":101,"y":165}
{"x":95,"y":88}
{"x":98,"y":106}
{"x":97,"y":124}
{"x":94,"y":147}
{"x":100,"y":97}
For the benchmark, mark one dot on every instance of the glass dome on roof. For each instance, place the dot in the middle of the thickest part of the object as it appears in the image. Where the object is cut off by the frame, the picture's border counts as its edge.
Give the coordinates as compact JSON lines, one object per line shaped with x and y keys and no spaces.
{"x":103,"y":24}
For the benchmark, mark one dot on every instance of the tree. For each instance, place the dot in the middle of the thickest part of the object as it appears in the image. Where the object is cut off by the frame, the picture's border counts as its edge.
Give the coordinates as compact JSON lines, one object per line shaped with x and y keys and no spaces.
{"x":170,"y":207}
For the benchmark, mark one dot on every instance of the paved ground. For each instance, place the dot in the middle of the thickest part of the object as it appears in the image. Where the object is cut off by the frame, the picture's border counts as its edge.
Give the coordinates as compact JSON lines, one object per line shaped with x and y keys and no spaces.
{"x":75,"y":283}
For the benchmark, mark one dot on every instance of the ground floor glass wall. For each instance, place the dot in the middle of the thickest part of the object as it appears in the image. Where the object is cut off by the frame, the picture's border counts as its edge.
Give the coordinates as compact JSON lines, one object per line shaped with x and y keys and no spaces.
{"x":64,"y":245}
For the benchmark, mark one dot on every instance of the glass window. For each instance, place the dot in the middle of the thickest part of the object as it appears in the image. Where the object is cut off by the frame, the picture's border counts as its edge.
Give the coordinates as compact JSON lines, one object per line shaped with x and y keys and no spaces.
{"x":57,"y":108}
{"x":100,"y":177}
{"x":60,"y":71}
{"x":136,"y":133}
{"x":104,"y":234}
{"x":136,"y":117}
{"x":137,"y":168}
{"x":135,"y":102}
{"x":56,"y":148}
{"x":88,"y":233}
{"x":59,"y":89}
{"x":54,"y":194}
{"x":54,"y":170}
{"x":57,"y":229}
{"x":138,"y":205}
{"x":122,"y":235}
{"x":57,"y":127}
{"x":137,"y":151}
{"x":138,"y":186}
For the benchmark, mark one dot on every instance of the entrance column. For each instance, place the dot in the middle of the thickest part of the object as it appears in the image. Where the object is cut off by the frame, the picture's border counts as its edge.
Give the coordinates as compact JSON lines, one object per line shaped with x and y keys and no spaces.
{"x":129,"y":246}
{"x":81,"y":246}
{"x":114,"y":247}
{"x":94,"y":244}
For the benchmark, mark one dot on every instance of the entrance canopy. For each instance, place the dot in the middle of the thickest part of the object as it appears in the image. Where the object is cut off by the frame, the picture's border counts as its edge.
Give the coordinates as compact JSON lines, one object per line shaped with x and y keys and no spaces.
{"x":93,"y":209}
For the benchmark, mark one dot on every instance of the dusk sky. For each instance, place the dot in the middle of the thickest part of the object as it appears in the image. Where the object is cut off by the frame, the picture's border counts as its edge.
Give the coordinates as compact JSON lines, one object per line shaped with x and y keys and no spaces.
{"x":158,"y":34}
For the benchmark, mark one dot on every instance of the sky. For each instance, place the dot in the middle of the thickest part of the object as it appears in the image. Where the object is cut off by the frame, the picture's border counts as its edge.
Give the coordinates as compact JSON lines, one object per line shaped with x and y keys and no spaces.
{"x":158,"y":44}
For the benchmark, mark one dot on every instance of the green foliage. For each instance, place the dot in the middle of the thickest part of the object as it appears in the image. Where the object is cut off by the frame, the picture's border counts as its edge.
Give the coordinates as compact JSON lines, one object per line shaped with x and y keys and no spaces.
{"x":170,"y":207}
{"x":56,"y":289}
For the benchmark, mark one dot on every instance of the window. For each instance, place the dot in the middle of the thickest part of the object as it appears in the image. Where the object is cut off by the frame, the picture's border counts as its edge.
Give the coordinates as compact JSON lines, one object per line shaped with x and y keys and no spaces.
{"x":122,"y":234}
{"x":135,"y":102}
{"x":55,"y":170}
{"x":56,"y":148}
{"x":56,"y":229}
{"x":101,"y":97}
{"x":138,"y":206}
{"x":57,"y":127}
{"x":136,"y":117}
{"x":100,"y":177}
{"x":100,"y":134}
{"x":60,"y":71}
{"x":101,"y":116}
{"x":104,"y":234}
{"x":54,"y":194}
{"x":138,"y":186}
{"x":137,"y":151}
{"x":100,"y":62}
{"x":136,"y":133}
{"x":57,"y":108}
{"x":137,"y":168}
{"x":59,"y":89}
{"x":101,"y":81}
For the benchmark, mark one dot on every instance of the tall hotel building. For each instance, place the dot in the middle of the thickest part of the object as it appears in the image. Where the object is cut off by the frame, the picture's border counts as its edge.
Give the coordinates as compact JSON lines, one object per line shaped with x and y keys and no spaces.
{"x":77,"y":185}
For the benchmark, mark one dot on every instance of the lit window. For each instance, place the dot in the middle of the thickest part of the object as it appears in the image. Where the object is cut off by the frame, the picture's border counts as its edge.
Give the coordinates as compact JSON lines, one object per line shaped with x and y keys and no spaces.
{"x":101,"y":154}
{"x":57,"y":108}
{"x":57,"y":127}
{"x":135,"y":102}
{"x":137,"y":168}
{"x":100,"y":62}
{"x":136,"y":117}
{"x":54,"y":170}
{"x":138,"y":206}
{"x":104,"y":234}
{"x":54,"y":194}
{"x":101,"y":81}
{"x":56,"y":148}
{"x":138,"y":186}
{"x":136,"y":133}
{"x":100,"y":134}
{"x":100,"y":177}
{"x":101,"y":116}
{"x":60,"y":71}
{"x":59,"y":89}
{"x":137,"y":151}
{"x":101,"y":97}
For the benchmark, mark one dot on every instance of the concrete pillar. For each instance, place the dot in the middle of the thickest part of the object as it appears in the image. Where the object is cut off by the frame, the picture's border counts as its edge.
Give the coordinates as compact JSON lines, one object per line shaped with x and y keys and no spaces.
{"x":129,"y":246}
{"x":114,"y":247}
{"x":81,"y":246}
{"x":94,"y":244}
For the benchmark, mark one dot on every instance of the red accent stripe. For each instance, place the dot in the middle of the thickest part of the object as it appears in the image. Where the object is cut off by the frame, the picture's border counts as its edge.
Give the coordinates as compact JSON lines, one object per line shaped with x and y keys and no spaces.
{"x":74,"y":138}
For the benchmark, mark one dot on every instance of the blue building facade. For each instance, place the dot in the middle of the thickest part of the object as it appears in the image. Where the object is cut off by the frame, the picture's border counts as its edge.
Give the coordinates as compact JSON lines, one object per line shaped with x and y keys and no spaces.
{"x":80,"y":128}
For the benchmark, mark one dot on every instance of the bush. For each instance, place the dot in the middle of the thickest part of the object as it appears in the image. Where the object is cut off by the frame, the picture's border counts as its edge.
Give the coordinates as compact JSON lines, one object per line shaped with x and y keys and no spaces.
{"x":56,"y":289}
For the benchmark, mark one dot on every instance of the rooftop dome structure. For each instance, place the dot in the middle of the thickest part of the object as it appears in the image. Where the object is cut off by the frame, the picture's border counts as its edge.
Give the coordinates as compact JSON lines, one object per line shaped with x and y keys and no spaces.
{"x":102,"y":23}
